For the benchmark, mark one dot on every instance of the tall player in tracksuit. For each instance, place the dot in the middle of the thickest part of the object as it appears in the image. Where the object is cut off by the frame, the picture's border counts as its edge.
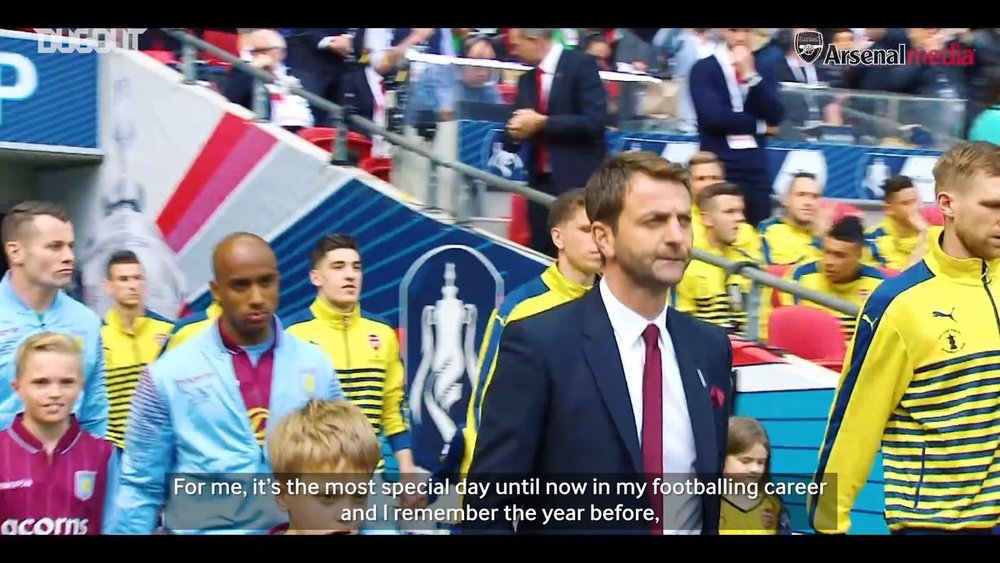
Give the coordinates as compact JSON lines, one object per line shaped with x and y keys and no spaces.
{"x":920,"y":379}
{"x":38,"y":240}
{"x":202,"y":412}
{"x":569,"y":277}
{"x":57,"y":477}
{"x":364,"y":349}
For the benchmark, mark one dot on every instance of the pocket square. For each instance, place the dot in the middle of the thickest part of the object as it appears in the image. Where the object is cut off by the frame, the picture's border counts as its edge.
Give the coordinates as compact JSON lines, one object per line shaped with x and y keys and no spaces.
{"x":717,"y":395}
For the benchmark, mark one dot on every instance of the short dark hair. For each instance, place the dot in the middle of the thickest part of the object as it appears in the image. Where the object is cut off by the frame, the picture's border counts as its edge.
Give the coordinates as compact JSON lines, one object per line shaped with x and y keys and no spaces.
{"x":122,"y":257}
{"x":330,"y":242}
{"x":609,"y":184}
{"x":896,"y":184}
{"x":565,"y":205}
{"x":801,"y":175}
{"x":848,"y":229}
{"x":721,"y":188}
{"x":22,"y":216}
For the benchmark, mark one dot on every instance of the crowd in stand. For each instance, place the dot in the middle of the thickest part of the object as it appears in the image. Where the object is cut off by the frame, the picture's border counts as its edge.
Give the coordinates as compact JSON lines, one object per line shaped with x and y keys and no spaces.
{"x":667,"y":53}
{"x":813,"y":243}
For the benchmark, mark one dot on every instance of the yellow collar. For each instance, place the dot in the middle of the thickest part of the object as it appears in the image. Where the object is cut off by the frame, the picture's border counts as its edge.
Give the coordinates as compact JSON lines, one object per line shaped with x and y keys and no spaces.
{"x":969,"y":271}
{"x":112,"y":318}
{"x":559,"y":283}
{"x":214,"y":310}
{"x":793,"y":226}
{"x":336,"y":319}
{"x":892,"y":229}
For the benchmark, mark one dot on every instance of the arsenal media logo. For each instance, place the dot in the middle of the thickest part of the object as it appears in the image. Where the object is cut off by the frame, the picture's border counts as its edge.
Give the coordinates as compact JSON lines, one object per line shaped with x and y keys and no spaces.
{"x":809,"y":45}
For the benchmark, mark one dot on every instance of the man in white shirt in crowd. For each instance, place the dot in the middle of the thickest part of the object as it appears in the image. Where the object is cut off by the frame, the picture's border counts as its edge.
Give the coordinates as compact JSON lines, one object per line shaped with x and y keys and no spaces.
{"x":267,"y":51}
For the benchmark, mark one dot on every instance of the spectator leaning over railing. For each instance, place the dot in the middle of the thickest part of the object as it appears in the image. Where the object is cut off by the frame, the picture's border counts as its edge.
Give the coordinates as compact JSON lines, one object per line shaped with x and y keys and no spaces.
{"x":900,"y":239}
{"x":840,"y":273}
{"x":738,"y":108}
{"x":706,"y":291}
{"x":268,"y":50}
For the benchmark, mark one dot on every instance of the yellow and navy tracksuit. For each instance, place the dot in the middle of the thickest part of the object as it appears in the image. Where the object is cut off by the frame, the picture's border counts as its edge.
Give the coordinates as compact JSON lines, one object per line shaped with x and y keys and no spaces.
{"x":811,"y":276}
{"x":784,"y":242}
{"x":767,"y":517}
{"x":704,"y":291}
{"x":890,"y":249}
{"x":192,"y":325}
{"x":747,"y":240}
{"x":365,"y":353}
{"x":126,"y":352}
{"x":921,"y":379}
{"x":545,"y":292}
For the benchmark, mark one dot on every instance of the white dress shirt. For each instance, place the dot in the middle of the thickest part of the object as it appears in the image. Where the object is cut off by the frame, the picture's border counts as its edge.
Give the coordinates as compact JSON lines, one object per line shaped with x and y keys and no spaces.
{"x":681,"y":513}
{"x":548,"y":66}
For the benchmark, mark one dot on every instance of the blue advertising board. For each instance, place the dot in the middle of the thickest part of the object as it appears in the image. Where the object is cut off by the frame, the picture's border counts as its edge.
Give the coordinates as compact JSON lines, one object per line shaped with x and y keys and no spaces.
{"x":48,"y":101}
{"x":847,"y":171}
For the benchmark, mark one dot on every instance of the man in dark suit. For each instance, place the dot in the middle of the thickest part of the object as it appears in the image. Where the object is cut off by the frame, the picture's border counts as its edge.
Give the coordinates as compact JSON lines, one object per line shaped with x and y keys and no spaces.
{"x":560,"y":113}
{"x":739,"y":106}
{"x":331,"y":63}
{"x":614,"y":386}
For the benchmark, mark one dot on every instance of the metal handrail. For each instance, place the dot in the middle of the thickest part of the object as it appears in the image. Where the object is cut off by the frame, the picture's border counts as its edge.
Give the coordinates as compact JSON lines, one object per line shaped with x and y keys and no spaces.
{"x":754,"y":274}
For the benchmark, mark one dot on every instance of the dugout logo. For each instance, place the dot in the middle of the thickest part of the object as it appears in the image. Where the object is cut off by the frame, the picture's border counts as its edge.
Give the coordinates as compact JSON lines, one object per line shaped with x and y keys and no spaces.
{"x":809,"y":45}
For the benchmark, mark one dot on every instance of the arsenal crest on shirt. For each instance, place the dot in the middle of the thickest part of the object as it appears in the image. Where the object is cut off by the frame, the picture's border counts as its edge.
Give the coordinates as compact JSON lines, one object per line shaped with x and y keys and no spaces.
{"x":373,"y":339}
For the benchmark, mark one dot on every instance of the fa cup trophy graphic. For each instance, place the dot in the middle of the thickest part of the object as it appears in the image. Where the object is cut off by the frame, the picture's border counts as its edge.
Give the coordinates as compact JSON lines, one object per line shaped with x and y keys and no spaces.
{"x":448,"y":357}
{"x":126,"y":227}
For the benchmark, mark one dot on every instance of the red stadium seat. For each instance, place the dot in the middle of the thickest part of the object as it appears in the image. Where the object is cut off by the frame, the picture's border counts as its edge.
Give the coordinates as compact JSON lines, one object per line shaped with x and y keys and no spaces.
{"x":932,"y":214}
{"x":842,"y":209}
{"x":519,"y":230}
{"x":163,"y":56}
{"x":807,"y":332}
{"x":380,"y":167}
{"x":230,"y":42}
{"x":323,"y":137}
{"x":833,"y":364}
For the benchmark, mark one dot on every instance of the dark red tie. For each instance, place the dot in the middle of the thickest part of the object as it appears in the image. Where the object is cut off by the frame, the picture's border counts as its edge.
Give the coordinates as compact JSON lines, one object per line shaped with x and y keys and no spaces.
{"x":652,"y":418}
{"x":543,"y":154}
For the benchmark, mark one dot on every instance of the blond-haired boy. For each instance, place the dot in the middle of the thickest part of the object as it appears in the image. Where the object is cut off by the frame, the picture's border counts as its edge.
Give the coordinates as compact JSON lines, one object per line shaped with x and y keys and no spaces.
{"x":321,"y":454}
{"x":58,"y":475}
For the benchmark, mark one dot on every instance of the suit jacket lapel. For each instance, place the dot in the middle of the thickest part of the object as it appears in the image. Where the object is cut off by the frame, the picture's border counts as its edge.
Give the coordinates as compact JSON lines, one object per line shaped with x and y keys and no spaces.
{"x":696,"y":393}
{"x":601,"y":352}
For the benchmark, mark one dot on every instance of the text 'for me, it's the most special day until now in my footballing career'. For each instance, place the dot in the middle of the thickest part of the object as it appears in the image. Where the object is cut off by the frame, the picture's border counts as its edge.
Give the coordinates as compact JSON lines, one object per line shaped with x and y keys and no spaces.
{"x":336,"y":486}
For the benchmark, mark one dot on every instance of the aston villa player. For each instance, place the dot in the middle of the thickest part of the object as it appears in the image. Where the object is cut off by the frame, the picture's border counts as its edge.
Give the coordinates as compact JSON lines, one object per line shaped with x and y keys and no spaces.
{"x":53,"y":474}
